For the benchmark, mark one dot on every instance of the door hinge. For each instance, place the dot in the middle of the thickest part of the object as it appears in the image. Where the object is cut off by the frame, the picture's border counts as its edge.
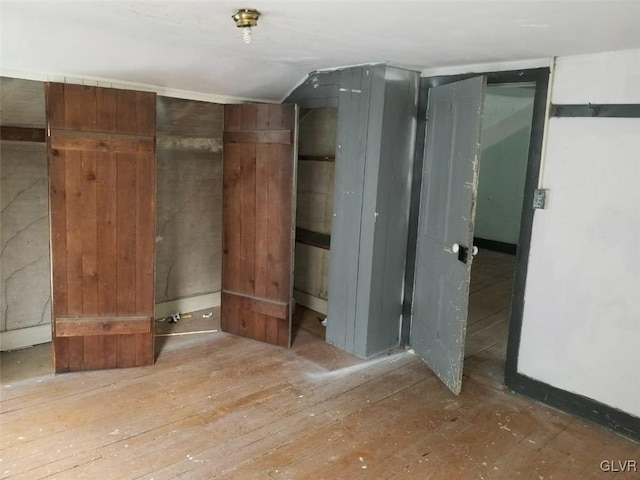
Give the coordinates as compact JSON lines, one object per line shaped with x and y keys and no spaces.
{"x":540,"y":198}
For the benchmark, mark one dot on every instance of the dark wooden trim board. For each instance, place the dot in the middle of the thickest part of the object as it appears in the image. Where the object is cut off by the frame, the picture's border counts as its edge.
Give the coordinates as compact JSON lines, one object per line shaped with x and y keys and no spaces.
{"x":315,"y":239}
{"x":82,"y":326}
{"x":23,"y":134}
{"x":575,"y":404}
{"x":495,"y":245}
{"x":283,"y":137}
{"x":620,"y":110}
{"x":259,"y":305}
{"x":102,"y":142}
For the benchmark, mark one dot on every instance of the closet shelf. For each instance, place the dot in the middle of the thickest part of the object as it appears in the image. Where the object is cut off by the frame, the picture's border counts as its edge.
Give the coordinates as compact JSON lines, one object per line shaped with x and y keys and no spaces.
{"x":315,"y":239}
{"x":315,"y":158}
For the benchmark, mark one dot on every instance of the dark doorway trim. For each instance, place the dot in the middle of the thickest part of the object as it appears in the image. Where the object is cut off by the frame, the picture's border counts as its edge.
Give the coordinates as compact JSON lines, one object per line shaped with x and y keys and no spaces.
{"x":584,"y":407}
{"x":597,"y":110}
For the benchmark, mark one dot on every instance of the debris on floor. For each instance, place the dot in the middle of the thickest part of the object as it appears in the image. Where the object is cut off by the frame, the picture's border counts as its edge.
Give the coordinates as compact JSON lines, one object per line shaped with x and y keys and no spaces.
{"x":207,"y":315}
{"x":174,"y":317}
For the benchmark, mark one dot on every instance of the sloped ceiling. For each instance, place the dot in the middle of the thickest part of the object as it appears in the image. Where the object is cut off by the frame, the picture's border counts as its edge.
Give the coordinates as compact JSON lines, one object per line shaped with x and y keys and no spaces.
{"x":195,"y":45}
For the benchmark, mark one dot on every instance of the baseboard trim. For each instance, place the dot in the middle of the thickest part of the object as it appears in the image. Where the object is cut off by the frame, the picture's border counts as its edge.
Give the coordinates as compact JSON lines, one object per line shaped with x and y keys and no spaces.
{"x":25,"y":337}
{"x":188,"y":304}
{"x":314,"y":303}
{"x":496,"y":246}
{"x":621,"y":422}
{"x":30,"y":336}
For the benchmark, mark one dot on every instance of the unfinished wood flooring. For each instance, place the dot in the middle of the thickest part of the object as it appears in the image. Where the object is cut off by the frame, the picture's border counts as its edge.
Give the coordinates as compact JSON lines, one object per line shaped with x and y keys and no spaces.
{"x":488,"y":320}
{"x":219,"y":406}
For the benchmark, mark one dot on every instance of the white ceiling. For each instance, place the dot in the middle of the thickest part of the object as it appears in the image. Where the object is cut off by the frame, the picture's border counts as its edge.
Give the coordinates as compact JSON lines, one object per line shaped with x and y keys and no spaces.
{"x":195,"y":46}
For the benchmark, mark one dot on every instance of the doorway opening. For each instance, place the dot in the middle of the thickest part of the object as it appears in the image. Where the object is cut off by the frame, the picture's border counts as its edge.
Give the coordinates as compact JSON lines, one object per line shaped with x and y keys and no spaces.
{"x":437,"y":297}
{"x":317,"y":136}
{"x":504,"y":145}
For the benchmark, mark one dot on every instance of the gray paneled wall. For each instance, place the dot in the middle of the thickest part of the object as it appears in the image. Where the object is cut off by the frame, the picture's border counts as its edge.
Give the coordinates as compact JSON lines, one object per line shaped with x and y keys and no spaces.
{"x":189,"y":208}
{"x":353,"y":121}
{"x":376,"y":135}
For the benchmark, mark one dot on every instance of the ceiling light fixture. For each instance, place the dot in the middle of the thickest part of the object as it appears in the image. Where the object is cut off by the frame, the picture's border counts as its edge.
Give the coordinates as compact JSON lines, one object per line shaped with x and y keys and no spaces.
{"x":246,"y":18}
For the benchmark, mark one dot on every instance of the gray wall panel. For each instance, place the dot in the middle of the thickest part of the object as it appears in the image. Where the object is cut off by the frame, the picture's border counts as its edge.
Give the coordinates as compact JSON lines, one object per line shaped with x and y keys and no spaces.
{"x":368,"y":265}
{"x":353,"y":115}
{"x":392,"y":207}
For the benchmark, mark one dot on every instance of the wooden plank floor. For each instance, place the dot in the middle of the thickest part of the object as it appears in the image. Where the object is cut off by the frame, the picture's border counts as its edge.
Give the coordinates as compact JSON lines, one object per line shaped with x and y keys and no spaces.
{"x":488,"y":321}
{"x":219,"y":406}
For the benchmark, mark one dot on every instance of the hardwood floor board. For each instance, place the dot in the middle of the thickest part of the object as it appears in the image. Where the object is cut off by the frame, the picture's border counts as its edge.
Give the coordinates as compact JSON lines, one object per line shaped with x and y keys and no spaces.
{"x":368,"y":443}
{"x":486,"y":322}
{"x":61,"y":386}
{"x":329,"y":409}
{"x":219,"y":406}
{"x":579,"y":441}
{"x":131,"y":389}
{"x":345,"y":430}
{"x":243,"y":442}
{"x":90,"y":422}
{"x":486,"y":338}
{"x":487,"y":366}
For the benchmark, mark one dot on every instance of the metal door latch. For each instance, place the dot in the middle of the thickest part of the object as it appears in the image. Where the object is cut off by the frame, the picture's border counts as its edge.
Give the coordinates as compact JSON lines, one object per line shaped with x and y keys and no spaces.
{"x":539,"y":197}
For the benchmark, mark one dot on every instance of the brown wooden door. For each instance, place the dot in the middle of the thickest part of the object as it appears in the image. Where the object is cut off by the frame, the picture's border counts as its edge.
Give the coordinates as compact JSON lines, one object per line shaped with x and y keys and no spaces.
{"x":102,"y":174}
{"x":258,"y":221}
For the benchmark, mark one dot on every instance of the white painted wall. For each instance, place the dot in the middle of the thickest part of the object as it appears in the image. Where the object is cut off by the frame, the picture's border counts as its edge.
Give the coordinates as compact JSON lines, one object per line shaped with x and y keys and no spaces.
{"x":581,"y":325}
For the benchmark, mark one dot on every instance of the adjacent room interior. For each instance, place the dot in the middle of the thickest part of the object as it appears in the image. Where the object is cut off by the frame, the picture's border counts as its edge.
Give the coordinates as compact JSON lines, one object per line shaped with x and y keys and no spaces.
{"x":506,"y":131}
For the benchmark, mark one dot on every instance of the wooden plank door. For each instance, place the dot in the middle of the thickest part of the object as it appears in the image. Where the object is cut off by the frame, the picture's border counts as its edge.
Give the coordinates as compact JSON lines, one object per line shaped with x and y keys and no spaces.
{"x":445,"y":229}
{"x":102,"y":180}
{"x":258,"y":221}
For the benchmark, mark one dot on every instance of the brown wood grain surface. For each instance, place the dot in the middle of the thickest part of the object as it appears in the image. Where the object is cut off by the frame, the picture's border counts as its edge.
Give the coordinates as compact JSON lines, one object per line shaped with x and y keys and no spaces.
{"x":257,"y":221}
{"x":102,"y":168}
{"x":259,"y":136}
{"x":84,"y":326}
{"x":109,"y":142}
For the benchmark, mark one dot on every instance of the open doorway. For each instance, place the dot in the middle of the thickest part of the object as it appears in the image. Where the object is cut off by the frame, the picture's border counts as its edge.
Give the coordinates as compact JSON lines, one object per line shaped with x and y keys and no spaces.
{"x":317,"y":136}
{"x":504,"y":145}
{"x":439,"y":288}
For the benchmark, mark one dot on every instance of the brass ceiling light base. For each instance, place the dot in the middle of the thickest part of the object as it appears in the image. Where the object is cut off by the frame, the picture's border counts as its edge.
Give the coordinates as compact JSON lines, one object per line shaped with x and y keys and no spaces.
{"x":246,"y":18}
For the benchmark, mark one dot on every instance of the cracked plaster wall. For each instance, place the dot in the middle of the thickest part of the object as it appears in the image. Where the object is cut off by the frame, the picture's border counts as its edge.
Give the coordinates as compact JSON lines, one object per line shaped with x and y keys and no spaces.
{"x":189,"y":204}
{"x":24,"y":236}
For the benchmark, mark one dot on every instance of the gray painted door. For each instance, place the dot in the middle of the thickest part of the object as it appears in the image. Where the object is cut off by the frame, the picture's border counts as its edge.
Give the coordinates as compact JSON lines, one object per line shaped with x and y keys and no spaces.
{"x":445,"y":229}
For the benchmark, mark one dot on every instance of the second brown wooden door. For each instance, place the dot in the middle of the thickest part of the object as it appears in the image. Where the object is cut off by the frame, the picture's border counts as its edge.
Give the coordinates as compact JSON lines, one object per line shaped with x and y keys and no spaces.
{"x":258,"y":221}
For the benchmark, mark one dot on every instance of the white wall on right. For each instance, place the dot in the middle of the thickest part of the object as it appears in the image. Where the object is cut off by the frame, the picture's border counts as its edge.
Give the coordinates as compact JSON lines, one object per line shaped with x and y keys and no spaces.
{"x":581,"y":322}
